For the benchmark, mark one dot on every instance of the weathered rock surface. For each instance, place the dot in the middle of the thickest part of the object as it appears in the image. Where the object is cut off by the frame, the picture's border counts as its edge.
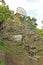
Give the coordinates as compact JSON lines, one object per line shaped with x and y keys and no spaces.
{"x":18,"y":50}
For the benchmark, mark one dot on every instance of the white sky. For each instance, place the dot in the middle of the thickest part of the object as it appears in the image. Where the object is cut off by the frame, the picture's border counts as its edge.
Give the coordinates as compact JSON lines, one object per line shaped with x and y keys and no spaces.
{"x":32,"y":7}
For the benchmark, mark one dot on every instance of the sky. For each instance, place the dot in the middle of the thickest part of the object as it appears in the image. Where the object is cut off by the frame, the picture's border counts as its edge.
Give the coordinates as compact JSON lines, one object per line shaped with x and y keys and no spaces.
{"x":34,"y":8}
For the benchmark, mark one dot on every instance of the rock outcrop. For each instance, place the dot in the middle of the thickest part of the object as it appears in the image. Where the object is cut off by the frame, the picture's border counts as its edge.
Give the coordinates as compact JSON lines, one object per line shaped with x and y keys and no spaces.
{"x":18,"y":48}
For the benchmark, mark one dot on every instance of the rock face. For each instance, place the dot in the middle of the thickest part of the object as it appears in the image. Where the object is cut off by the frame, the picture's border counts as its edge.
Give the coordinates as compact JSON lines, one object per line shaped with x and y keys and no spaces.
{"x":1,"y":55}
{"x":19,"y":38}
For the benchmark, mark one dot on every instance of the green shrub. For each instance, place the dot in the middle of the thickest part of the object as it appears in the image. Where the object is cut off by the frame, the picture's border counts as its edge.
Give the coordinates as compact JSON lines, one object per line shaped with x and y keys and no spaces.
{"x":2,"y":43}
{"x":1,"y":62}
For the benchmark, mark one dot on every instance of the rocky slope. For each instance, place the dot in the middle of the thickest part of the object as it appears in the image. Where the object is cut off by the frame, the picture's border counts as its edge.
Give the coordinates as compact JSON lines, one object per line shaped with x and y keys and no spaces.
{"x":24,"y":51}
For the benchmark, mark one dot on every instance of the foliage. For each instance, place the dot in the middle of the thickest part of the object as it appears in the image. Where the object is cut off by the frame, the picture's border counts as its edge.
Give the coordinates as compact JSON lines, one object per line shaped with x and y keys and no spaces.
{"x":40,"y":32}
{"x":2,"y":43}
{"x":31,"y":21}
{"x":3,"y":2}
{"x":42,"y":24}
{"x":5,"y":13}
{"x":1,"y":62}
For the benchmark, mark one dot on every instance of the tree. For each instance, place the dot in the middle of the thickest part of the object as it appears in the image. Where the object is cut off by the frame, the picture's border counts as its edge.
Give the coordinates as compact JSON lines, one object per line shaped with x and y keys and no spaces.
{"x":34,"y":21}
{"x":31,"y":21}
{"x":3,"y":2}
{"x":5,"y":13}
{"x":28,"y":18}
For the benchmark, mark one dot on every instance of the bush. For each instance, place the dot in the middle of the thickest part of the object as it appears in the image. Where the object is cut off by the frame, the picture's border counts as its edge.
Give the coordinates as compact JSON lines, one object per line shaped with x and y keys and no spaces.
{"x":2,"y":43}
